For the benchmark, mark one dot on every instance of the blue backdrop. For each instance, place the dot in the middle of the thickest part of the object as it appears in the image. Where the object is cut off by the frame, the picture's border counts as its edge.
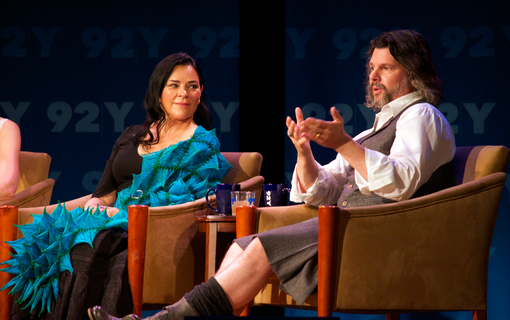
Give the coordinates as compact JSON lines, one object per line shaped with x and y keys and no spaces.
{"x":74,"y":75}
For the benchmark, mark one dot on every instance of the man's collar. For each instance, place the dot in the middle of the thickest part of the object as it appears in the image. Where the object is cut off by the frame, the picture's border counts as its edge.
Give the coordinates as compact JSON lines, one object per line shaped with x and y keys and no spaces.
{"x":398,"y":104}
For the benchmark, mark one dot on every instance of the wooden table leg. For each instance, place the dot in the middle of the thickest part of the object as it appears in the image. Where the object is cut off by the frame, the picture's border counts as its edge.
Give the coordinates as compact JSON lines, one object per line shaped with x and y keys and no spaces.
{"x":211,"y":237}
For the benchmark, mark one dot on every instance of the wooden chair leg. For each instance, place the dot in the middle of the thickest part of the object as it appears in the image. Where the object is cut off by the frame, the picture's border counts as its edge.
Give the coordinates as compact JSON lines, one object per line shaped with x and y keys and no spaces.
{"x":137,"y":237}
{"x":246,"y":218}
{"x":393,"y":316}
{"x":8,"y":232}
{"x":328,"y":223}
{"x":479,"y":314}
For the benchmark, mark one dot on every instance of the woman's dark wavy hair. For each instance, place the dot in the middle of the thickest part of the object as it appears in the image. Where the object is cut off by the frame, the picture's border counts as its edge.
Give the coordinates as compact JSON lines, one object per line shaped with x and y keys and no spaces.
{"x":157,"y":82}
{"x":412,"y":51}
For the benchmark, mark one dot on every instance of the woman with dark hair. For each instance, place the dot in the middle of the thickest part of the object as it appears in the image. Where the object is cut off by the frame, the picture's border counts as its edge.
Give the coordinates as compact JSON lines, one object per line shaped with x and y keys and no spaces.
{"x":170,"y":159}
{"x":175,"y":105}
{"x":157,"y":83}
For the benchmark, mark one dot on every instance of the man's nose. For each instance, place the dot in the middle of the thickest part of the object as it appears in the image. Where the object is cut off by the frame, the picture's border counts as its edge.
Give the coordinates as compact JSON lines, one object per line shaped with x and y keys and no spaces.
{"x":374,"y":76}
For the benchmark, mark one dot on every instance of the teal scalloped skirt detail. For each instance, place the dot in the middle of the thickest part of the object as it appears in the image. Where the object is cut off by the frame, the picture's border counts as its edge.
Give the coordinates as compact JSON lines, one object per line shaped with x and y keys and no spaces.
{"x":178,"y":174}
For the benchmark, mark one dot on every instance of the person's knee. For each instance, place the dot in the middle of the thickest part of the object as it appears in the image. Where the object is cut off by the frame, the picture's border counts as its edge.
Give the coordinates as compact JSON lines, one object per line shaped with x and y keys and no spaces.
{"x":234,"y":250}
{"x":255,"y":244}
{"x":258,"y":254}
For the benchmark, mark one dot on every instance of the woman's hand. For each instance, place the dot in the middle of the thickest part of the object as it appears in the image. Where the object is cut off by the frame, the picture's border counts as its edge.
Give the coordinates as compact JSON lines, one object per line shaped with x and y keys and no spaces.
{"x":94,"y":203}
{"x":103,"y":202}
{"x":110,"y":211}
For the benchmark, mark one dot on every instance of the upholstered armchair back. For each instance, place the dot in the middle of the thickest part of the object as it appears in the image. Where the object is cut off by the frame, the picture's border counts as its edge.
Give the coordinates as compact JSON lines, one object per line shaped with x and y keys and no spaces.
{"x":474,"y":162}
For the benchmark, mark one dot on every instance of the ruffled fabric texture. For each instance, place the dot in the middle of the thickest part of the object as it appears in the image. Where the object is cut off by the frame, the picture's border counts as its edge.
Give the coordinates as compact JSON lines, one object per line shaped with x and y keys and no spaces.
{"x":178,"y":174}
{"x":44,"y":251}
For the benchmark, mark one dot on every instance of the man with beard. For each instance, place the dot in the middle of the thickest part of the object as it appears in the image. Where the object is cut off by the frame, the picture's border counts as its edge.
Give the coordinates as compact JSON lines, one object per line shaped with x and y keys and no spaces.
{"x":404,"y":154}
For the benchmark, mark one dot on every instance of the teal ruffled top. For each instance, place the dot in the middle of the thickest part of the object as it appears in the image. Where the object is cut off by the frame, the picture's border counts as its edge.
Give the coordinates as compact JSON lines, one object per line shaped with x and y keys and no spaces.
{"x":178,"y":174}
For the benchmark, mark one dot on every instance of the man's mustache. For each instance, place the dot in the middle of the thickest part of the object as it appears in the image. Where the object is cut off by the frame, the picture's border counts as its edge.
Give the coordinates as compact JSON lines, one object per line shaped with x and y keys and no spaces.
{"x":377,"y":85}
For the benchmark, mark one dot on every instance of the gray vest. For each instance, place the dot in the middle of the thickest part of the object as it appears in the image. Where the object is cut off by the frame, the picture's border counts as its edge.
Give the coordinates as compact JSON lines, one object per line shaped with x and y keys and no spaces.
{"x":381,"y":141}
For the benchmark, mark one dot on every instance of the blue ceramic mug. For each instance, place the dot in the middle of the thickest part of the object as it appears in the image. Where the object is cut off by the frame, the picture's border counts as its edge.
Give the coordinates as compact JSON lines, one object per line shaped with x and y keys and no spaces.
{"x":275,"y":195}
{"x":222,"y":192}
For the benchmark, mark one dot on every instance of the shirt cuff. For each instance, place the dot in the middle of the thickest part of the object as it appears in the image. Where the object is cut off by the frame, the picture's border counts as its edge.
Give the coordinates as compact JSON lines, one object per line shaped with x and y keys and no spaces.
{"x":298,"y":197}
{"x":379,"y":172}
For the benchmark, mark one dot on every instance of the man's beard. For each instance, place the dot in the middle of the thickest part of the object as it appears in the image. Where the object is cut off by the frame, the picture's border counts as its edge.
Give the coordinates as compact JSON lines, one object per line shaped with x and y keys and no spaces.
{"x":386,"y":96}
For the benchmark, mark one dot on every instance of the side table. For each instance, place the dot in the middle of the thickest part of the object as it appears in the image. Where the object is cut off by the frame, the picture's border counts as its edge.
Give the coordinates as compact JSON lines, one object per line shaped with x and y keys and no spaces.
{"x":212,"y":225}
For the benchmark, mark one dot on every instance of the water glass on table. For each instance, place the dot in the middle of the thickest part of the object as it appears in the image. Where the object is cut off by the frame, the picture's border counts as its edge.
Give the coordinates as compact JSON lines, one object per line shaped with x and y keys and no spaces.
{"x":241,"y":198}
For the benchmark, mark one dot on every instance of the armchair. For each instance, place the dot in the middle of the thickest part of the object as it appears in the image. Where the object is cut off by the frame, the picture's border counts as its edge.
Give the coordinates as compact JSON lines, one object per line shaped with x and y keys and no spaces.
{"x":34,"y":186}
{"x":171,"y":246}
{"x":170,"y":256}
{"x":425,"y":254}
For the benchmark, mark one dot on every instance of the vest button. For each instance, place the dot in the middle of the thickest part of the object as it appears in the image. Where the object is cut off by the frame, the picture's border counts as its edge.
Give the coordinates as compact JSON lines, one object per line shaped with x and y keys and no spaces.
{"x":344,"y":203}
{"x":349,"y":186}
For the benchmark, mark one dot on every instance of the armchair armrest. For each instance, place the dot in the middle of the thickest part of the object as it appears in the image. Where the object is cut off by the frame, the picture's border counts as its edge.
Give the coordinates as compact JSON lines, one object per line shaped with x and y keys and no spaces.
{"x":273,"y":217}
{"x":38,"y":194}
{"x":450,"y":195}
{"x":25,"y":214}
